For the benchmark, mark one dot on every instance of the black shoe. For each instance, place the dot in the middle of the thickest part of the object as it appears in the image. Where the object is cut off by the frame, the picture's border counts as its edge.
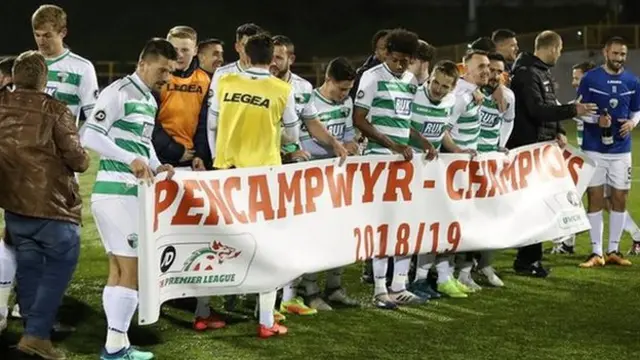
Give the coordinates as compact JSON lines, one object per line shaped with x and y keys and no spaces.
{"x":533,"y":270}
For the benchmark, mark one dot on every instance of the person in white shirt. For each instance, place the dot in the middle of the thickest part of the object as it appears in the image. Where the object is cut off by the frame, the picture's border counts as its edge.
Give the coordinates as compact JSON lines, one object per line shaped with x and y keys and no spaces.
{"x":120,"y":130}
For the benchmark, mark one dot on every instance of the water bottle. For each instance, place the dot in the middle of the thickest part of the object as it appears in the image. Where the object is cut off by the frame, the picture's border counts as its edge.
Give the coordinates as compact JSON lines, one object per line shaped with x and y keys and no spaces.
{"x":607,"y":135}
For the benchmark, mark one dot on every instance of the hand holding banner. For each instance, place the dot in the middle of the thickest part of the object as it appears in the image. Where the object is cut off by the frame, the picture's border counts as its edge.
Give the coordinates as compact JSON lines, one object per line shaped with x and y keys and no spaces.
{"x":253,"y":230}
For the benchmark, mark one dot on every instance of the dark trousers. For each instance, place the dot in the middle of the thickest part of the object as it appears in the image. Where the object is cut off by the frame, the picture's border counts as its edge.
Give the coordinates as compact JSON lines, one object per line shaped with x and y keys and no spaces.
{"x":47,"y":253}
{"x":529,"y":254}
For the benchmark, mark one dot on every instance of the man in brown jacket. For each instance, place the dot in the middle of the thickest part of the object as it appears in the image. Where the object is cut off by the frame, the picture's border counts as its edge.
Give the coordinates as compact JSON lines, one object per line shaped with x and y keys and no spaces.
{"x":39,"y":152}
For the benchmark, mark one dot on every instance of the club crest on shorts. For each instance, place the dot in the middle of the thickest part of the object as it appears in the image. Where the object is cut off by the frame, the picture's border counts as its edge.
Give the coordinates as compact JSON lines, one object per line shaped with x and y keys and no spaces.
{"x":132,"y":240}
{"x":100,"y":115}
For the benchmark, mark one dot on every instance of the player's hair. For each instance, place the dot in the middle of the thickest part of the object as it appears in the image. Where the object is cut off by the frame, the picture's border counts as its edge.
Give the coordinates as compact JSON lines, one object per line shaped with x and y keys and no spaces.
{"x":501,"y":35}
{"x":584,"y":66}
{"x":339,"y":69}
{"x":447,"y":68}
{"x":547,"y":39}
{"x":494,"y":56}
{"x":6,"y":64}
{"x":183,"y":32}
{"x":402,"y":41}
{"x":49,"y":14}
{"x":426,"y":51}
{"x":377,"y":36}
{"x":281,"y":40}
{"x":29,"y":70}
{"x":473,"y":52}
{"x":157,"y":47}
{"x":248,"y":29}
{"x":483,"y":44}
{"x":615,"y":40}
{"x":204,"y":44}
{"x":259,"y":49}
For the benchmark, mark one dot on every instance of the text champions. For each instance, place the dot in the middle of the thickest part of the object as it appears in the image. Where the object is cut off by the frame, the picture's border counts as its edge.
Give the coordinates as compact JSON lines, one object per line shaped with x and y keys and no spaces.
{"x":232,"y":197}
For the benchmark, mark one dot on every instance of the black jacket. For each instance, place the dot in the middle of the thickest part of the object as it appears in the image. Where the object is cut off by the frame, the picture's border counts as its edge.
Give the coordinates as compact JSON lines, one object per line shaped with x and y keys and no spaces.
{"x":538,"y":113}
{"x":169,"y":151}
{"x":368,"y":64}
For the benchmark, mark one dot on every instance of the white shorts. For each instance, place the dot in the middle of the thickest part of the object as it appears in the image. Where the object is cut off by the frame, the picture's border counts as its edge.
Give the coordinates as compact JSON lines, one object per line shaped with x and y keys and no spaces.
{"x":116,"y":219}
{"x":614,"y":172}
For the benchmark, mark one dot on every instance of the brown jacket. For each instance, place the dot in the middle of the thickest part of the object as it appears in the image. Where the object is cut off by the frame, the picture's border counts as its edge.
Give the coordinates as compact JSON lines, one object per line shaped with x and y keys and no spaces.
{"x":39,"y":152}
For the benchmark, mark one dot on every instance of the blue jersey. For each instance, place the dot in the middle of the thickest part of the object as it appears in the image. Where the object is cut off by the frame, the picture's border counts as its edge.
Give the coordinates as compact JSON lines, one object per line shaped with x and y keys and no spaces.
{"x":620,"y":95}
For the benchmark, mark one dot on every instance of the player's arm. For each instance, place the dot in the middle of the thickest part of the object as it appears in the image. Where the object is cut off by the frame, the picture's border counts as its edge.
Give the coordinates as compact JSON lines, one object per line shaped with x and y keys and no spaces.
{"x":362,"y":105}
{"x":290,"y":118}
{"x":526,"y":84}
{"x":67,"y":142}
{"x":314,"y":125}
{"x":212,"y":123}
{"x":634,"y":106}
{"x":109,"y":108}
{"x":201,"y":137}
{"x":88,"y":91}
{"x":508,"y":118}
{"x":349,"y":137}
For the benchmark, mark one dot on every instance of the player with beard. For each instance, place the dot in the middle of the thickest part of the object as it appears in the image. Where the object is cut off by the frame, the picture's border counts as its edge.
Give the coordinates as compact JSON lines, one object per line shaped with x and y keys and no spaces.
{"x":283,"y":58}
{"x":431,"y":119}
{"x":607,"y":140}
{"x":120,"y":130}
{"x":382,"y":113}
{"x":495,"y":130}
{"x":465,"y":133}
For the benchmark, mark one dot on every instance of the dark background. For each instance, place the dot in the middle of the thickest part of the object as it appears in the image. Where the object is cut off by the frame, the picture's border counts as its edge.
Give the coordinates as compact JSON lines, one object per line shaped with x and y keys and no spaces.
{"x":116,"y":30}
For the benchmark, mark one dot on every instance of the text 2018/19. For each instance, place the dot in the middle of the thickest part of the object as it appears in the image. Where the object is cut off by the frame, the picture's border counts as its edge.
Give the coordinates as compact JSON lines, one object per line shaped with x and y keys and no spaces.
{"x":408,"y":239}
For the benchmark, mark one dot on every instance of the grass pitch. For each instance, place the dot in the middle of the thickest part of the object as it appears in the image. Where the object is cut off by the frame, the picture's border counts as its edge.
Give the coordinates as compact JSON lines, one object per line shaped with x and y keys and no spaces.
{"x":574,"y":314}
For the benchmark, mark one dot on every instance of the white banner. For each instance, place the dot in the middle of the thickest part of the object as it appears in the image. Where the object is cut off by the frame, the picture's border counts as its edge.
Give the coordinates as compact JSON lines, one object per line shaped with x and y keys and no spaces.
{"x":253,"y":230}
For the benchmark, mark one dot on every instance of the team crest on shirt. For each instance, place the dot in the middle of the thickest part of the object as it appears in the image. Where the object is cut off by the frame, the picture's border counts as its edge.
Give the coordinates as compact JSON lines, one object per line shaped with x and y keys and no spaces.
{"x":402,"y":106}
{"x":132,"y":240}
{"x":345,"y":111}
{"x":613,"y":102}
{"x":63,"y":76}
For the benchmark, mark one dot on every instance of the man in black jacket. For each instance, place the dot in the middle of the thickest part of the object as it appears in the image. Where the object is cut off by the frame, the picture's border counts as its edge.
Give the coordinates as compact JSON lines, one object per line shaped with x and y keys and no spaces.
{"x":378,"y":43}
{"x":538,"y":116}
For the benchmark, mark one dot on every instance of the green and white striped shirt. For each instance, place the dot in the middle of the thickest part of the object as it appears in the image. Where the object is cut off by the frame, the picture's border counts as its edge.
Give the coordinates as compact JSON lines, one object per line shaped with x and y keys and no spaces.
{"x":431,"y":119}
{"x":72,"y":79}
{"x":495,"y":127}
{"x":125,"y":112}
{"x":389,"y":99}
{"x":302,"y":90}
{"x":466,"y":128}
{"x":336,"y":118}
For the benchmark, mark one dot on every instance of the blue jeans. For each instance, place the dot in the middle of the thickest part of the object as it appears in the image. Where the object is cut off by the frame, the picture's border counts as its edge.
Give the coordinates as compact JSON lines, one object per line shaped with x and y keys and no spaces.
{"x":47,"y":253}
